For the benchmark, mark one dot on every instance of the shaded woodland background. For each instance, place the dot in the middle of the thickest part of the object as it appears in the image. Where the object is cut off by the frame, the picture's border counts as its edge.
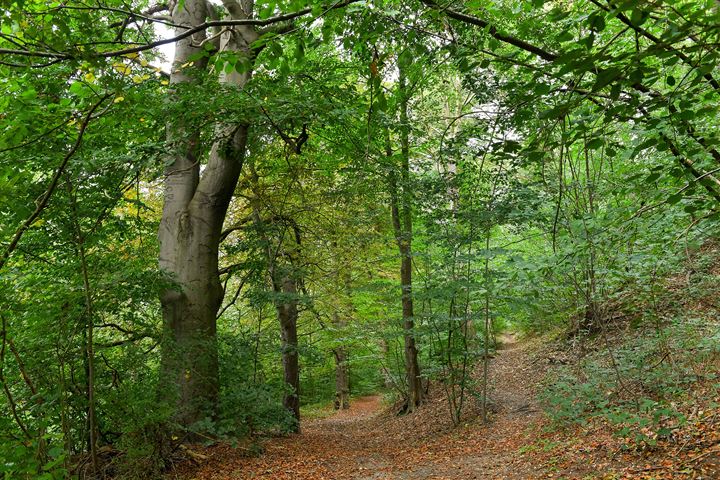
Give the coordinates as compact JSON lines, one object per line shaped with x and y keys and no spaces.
{"x":315,"y":202}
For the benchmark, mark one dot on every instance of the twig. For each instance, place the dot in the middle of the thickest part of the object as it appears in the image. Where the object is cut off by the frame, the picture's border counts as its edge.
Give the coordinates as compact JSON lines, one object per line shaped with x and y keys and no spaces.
{"x":45,"y":199}
{"x":8,"y":393}
{"x":187,"y":33}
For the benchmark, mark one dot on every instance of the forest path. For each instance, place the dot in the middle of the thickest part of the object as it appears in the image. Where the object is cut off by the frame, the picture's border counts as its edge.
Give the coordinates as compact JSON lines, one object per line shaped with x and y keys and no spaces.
{"x":367,"y":442}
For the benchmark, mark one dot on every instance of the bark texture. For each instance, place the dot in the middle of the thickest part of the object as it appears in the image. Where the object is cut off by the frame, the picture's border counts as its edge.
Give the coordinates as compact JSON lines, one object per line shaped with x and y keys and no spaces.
{"x":401,"y":208}
{"x":287,"y":308}
{"x":281,"y":254}
{"x":342,"y":373}
{"x":193,"y":214}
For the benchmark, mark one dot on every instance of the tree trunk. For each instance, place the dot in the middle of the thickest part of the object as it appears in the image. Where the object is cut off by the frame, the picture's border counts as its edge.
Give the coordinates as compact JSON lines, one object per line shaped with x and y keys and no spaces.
{"x":342,"y":373}
{"x":287,"y":308}
{"x":285,"y":281}
{"x":412,"y":367}
{"x":387,"y":376}
{"x":193,"y":214}
{"x":342,"y":380}
{"x":401,"y":207}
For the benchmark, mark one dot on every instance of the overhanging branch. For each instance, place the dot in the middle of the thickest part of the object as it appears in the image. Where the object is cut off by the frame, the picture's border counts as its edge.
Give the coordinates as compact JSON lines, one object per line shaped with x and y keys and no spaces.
{"x":187,"y":33}
{"x":492,"y":30}
{"x":45,"y":198}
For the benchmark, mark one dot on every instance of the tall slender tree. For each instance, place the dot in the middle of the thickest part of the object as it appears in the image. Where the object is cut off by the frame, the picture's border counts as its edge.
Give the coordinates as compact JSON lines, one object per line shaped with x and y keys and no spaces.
{"x":401,"y":209}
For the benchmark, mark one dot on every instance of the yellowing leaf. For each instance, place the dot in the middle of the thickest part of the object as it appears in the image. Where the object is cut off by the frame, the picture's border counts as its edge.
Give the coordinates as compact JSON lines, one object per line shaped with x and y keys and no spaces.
{"x":118,"y":99}
{"x":121,"y":68}
{"x":90,"y":77}
{"x":140,"y":78}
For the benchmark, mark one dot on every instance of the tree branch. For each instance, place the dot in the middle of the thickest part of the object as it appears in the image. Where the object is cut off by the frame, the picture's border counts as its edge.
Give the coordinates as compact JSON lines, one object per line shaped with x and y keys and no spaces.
{"x":187,"y":33}
{"x":53,"y":184}
{"x":492,"y":30}
{"x":8,"y":393}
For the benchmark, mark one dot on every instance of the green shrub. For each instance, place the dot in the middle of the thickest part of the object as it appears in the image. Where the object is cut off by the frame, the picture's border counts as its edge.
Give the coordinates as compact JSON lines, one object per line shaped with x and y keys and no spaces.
{"x":636,"y":386}
{"x":20,"y":460}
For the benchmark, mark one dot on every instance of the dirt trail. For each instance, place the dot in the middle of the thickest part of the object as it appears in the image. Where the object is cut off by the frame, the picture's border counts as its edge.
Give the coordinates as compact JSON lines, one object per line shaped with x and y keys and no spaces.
{"x":368,"y":443}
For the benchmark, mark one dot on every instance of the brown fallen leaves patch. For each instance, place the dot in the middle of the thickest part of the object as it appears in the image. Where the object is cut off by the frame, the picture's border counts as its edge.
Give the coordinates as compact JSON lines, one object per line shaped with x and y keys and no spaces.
{"x":691,"y":452}
{"x":366,"y":443}
{"x":369,"y":442}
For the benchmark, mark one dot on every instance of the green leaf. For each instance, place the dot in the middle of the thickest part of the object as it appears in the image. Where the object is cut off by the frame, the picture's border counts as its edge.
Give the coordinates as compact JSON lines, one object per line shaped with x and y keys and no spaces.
{"x":595,"y":143}
{"x":381,"y":102}
{"x":555,"y":112}
{"x":242,"y":65}
{"x":535,"y":156}
{"x":406,"y":58}
{"x":300,"y":50}
{"x":605,"y":77}
{"x":541,"y":88}
{"x":588,"y":41}
{"x":284,"y":68}
{"x":597,"y":22}
{"x":29,"y":94}
{"x":637,"y":17}
{"x":565,"y":36}
{"x":636,"y":76}
{"x":686,"y":115}
{"x":675,"y":198}
{"x":78,"y":88}
{"x":652,"y":177}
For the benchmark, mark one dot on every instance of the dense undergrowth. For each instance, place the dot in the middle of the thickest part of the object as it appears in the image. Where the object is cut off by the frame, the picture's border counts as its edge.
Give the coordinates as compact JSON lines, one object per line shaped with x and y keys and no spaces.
{"x":650,"y":377}
{"x":353,"y":199}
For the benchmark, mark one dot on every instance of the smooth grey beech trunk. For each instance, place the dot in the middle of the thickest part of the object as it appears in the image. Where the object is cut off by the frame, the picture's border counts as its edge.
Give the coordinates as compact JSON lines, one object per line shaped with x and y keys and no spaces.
{"x":194,"y":210}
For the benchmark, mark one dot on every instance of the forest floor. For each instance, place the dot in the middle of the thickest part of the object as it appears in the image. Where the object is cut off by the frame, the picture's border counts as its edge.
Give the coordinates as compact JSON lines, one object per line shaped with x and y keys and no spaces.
{"x":370,"y":442}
